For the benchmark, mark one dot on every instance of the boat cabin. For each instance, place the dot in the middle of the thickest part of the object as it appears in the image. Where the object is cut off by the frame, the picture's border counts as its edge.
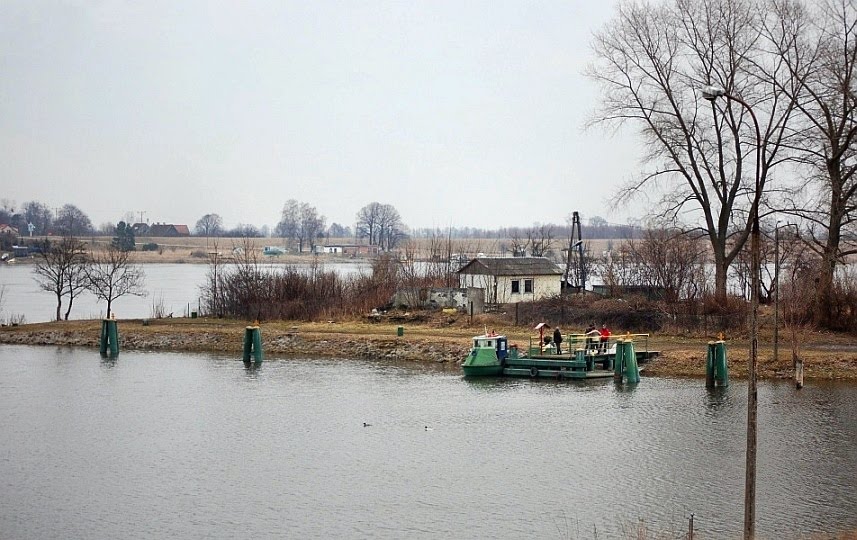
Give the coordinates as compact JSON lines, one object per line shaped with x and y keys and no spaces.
{"x":500,"y":344}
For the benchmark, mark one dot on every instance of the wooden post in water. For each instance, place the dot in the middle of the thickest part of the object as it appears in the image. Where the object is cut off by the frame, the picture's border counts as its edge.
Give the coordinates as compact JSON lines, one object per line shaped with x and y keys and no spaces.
{"x":690,"y":528}
{"x":798,"y":364}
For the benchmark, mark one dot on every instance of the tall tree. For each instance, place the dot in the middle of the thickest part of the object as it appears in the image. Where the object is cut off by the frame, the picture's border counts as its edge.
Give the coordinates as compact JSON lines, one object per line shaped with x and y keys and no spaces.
{"x":390,"y":227}
{"x":60,"y":268}
{"x":39,"y":215}
{"x":209,"y":225}
{"x":111,"y":275}
{"x":71,"y":220}
{"x":651,"y":62}
{"x":820,"y":49}
{"x":311,"y":226}
{"x":381,"y":224}
{"x":124,"y":239}
{"x":337,"y":230}
{"x":368,"y":219}
{"x":289,"y":226}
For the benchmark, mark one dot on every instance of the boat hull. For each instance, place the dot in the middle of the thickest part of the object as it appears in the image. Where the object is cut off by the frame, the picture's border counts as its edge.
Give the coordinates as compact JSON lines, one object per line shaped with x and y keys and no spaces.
{"x":482,"y":371}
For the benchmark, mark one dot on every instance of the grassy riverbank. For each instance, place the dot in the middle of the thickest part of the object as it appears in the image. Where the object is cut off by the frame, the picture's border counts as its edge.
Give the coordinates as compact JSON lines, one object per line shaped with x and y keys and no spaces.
{"x":441,"y":339}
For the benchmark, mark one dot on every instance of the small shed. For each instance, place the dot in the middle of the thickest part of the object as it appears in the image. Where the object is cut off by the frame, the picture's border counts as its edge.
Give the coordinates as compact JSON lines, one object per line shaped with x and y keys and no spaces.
{"x":512,"y":279}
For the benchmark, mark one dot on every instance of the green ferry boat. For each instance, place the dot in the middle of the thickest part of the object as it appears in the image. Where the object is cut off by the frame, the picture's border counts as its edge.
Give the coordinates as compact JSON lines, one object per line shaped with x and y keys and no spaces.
{"x":492,"y":356}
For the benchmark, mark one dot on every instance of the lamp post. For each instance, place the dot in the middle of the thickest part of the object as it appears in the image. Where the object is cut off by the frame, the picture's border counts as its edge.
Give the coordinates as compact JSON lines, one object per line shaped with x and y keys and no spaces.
{"x":776,"y":290}
{"x":710,"y":93}
{"x":798,"y":380}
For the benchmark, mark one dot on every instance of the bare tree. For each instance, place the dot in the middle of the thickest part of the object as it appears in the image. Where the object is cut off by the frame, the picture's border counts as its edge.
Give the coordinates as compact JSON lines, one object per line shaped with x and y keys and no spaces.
{"x":651,"y":62}
{"x":311,"y":225}
{"x":39,"y":215}
{"x":289,"y":226}
{"x":368,"y":219}
{"x":111,"y":275}
{"x":672,"y":260}
{"x":209,"y":225}
{"x":540,"y":238}
{"x":60,"y":268}
{"x":820,"y":50}
{"x":73,"y":221}
{"x":391,"y":230}
{"x":519,"y":244}
{"x":381,"y":224}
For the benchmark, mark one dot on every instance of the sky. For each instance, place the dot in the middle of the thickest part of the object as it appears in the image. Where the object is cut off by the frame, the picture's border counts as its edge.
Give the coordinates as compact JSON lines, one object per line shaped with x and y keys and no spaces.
{"x":464,"y":114}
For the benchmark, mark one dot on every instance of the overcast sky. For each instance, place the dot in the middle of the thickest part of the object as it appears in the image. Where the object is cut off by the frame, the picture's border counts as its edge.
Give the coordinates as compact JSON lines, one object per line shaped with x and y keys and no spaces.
{"x":456,"y":113}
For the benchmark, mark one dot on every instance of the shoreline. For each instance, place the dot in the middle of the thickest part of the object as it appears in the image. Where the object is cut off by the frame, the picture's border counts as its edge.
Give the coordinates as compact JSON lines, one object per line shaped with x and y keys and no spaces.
{"x":826,"y":358}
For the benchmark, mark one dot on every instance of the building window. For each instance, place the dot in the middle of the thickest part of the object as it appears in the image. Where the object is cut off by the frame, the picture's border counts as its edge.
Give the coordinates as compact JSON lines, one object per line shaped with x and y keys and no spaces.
{"x":528,"y":285}
{"x":516,"y":286}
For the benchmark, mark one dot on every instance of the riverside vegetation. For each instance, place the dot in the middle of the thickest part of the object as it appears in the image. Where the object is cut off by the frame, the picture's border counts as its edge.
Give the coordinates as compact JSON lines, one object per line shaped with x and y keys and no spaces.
{"x":316,"y":311}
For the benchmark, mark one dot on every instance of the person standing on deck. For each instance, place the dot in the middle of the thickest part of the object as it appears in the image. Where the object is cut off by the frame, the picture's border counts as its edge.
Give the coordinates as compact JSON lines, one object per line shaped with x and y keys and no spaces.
{"x":590,"y":341}
{"x":557,"y":338}
{"x":605,"y":337}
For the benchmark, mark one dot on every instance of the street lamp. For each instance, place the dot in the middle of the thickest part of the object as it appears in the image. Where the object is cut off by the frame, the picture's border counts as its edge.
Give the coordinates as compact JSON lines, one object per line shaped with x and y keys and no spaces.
{"x":776,"y":290}
{"x":777,"y":294}
{"x":710,"y":93}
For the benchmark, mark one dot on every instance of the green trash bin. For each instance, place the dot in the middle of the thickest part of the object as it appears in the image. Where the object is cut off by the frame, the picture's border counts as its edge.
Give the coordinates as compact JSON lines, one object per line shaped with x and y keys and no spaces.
{"x":400,"y":331}
{"x":193,"y":314}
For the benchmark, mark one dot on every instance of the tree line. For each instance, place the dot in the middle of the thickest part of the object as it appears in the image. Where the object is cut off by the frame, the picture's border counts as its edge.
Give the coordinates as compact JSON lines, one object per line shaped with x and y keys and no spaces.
{"x":300,"y":226}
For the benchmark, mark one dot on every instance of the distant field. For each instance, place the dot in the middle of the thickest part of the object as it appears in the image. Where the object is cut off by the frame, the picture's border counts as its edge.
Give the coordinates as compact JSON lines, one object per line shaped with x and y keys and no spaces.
{"x":195,"y":249}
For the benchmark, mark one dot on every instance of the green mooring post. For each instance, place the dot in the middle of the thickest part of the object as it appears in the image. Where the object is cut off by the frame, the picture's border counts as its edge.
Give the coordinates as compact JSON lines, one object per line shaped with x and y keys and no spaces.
{"x":716,"y":371}
{"x":109,"y":337}
{"x":253,"y":344}
{"x":632,"y":372}
{"x":619,"y":361}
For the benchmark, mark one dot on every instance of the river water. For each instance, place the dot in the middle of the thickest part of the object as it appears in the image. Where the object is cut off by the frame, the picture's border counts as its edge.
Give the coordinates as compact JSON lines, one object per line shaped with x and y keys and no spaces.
{"x":167,"y":445}
{"x":173,"y":287}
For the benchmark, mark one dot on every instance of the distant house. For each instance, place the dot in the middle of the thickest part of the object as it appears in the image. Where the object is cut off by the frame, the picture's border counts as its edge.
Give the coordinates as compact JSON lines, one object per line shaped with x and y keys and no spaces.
{"x":353,"y":250}
{"x":168,"y":230}
{"x":8,"y":235}
{"x":140,"y":229}
{"x":512,"y":279}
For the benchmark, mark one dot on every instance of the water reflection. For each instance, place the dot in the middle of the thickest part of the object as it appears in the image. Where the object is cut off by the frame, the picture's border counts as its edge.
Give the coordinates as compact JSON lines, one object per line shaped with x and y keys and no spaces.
{"x":178,"y":441}
{"x":716,"y":398}
{"x":108,"y":362}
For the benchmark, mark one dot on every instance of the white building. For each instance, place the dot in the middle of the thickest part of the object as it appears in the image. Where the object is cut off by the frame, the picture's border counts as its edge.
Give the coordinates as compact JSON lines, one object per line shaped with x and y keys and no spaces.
{"x":512,"y":279}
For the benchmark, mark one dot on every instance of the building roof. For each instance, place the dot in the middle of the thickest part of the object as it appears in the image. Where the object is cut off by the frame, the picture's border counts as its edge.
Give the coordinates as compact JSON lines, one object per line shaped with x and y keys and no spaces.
{"x":168,"y":229}
{"x":511,"y":266}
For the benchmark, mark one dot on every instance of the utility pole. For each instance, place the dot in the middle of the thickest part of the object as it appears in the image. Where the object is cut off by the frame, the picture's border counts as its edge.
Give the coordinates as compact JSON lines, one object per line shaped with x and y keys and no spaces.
{"x":141,"y":212}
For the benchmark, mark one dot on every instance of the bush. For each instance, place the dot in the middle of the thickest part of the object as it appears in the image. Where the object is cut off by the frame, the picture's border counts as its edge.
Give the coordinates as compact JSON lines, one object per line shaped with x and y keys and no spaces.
{"x":151,"y":246}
